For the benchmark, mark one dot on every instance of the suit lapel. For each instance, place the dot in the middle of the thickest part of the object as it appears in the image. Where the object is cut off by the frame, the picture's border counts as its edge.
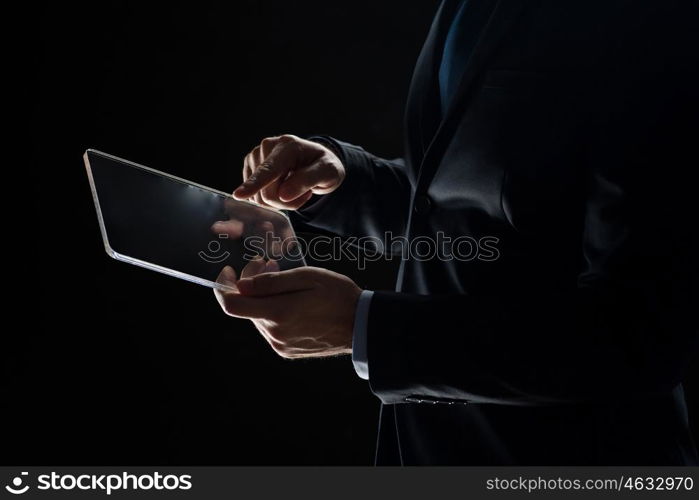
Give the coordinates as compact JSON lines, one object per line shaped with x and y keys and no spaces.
{"x":422,"y":108}
{"x":502,"y":18}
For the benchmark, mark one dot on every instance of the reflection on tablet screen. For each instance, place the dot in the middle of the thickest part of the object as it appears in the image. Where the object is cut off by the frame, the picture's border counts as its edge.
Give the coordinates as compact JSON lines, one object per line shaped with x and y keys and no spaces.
{"x":180,"y":228}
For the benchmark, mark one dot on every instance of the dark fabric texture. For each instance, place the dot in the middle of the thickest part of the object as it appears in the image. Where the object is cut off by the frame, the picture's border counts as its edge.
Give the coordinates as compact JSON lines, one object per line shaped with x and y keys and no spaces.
{"x":570,"y":140}
{"x":461,"y":38}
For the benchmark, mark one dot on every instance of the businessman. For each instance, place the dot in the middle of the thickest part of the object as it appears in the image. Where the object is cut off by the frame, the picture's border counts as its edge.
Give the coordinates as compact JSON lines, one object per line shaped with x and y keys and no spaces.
{"x":565,"y":131}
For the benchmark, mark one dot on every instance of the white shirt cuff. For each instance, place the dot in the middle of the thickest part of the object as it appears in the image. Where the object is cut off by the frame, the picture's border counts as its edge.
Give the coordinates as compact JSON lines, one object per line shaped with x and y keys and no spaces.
{"x":360,"y":357}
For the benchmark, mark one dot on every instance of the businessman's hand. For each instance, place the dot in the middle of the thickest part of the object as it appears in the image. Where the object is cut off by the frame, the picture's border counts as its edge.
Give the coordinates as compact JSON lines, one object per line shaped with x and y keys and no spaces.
{"x":302,"y":313}
{"x":285,"y":171}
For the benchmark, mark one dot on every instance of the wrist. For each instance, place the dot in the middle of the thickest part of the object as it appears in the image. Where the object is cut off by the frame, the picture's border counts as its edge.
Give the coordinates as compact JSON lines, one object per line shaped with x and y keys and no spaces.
{"x":331,"y":146}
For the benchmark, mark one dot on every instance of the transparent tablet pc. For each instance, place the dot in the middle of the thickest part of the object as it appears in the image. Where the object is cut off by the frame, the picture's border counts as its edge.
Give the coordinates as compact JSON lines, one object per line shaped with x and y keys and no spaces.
{"x":170,"y":225}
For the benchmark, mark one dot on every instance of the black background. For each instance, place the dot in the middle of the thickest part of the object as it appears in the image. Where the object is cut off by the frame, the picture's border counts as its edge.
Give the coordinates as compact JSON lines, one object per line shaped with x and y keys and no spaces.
{"x":120,"y":365}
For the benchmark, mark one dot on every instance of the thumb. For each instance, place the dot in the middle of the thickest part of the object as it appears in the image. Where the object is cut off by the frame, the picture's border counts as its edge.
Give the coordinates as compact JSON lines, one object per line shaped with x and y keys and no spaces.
{"x":226,"y":284}
{"x":273,"y":283}
{"x":228,"y":279}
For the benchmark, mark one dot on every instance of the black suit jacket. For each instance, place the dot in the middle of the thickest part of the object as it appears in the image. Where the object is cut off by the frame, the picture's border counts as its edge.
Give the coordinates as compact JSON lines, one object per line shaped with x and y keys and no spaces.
{"x":570,"y":141}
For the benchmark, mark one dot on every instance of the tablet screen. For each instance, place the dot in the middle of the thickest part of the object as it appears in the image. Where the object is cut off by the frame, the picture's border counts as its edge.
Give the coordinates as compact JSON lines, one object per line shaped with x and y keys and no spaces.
{"x":154,"y":220}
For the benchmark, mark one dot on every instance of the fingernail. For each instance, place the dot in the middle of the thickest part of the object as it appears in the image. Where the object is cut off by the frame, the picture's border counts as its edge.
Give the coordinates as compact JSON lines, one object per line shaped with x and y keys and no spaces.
{"x":248,"y":183}
{"x":227,"y":275}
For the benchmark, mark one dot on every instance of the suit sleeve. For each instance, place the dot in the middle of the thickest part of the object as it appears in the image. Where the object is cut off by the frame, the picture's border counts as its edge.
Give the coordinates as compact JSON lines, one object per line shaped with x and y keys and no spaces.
{"x":373,"y":199}
{"x":626,"y":325}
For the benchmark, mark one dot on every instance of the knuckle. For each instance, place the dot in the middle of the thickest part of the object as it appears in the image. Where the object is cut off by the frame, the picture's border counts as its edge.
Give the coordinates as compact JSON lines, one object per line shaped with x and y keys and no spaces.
{"x":250,"y":157}
{"x":264,"y":167}
{"x":285,"y":354}
{"x":268,"y":141}
{"x":290,"y":146}
{"x":276,"y":334}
